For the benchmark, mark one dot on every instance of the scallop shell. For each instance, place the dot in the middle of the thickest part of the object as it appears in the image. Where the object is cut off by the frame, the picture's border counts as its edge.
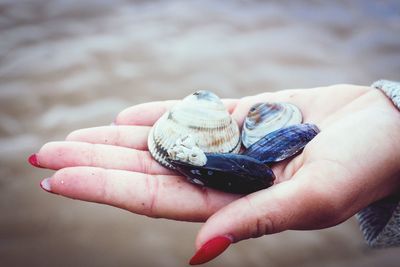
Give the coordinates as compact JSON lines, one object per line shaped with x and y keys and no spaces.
{"x":264,"y":118}
{"x":202,"y":116}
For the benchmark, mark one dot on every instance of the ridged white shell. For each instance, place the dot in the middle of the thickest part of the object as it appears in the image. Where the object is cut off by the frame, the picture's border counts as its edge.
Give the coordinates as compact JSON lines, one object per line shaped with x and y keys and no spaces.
{"x":264,"y":118}
{"x":201,"y":115}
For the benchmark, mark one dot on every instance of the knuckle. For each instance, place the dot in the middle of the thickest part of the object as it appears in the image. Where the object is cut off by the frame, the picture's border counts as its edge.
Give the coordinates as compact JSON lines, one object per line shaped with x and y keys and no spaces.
{"x":261,"y":223}
{"x":145,"y":162}
{"x":142,"y":162}
{"x":104,"y":192}
{"x":152,"y":184}
{"x":93,"y":153}
{"x":118,"y":135}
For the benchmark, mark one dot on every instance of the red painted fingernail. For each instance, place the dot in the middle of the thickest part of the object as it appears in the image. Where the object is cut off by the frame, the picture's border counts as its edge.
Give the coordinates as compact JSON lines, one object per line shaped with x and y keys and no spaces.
{"x":210,"y":250}
{"x":45,"y":185}
{"x":34,"y":161}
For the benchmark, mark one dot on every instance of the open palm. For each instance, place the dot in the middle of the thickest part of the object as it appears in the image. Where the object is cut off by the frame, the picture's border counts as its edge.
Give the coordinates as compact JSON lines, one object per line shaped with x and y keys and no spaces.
{"x":351,"y":163}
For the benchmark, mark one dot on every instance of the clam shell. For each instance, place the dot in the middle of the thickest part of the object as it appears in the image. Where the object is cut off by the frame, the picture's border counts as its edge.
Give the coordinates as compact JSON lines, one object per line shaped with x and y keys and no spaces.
{"x":283,"y":143}
{"x":264,"y":118}
{"x":202,"y":116}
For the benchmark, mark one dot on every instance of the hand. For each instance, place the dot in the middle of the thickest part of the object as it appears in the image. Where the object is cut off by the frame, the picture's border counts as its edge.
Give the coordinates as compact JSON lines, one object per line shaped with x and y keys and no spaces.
{"x":350,"y":164}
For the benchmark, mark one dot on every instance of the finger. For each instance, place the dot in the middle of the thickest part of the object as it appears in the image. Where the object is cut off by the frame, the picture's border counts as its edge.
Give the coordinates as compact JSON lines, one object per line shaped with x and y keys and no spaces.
{"x":308,"y":101}
{"x":152,"y":195}
{"x":58,"y":155}
{"x":148,"y":113}
{"x":118,"y":135}
{"x":145,"y":114}
{"x":301,"y":203}
{"x":294,"y":96}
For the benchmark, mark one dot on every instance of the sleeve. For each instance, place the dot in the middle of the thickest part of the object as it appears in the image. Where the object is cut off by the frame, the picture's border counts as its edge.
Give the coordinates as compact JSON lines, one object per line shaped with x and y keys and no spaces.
{"x":380,"y":221}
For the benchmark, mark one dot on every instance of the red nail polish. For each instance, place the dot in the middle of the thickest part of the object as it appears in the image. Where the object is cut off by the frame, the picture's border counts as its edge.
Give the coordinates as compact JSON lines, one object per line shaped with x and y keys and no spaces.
{"x":210,"y":250}
{"x":33,"y":161}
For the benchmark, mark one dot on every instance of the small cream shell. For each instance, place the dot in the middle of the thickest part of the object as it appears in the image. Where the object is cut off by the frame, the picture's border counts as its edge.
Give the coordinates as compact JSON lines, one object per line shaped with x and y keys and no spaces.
{"x":202,"y":116}
{"x":186,"y":150}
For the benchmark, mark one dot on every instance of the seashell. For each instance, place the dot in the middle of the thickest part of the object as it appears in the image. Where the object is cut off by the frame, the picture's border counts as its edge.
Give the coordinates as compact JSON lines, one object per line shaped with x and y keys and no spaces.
{"x":201,"y":115}
{"x":282,"y":143}
{"x":233,"y":173}
{"x":186,"y":150}
{"x":264,"y":118}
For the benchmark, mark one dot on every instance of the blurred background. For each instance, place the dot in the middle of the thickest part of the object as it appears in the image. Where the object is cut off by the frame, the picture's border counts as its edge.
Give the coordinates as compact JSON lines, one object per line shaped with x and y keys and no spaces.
{"x":68,"y":64}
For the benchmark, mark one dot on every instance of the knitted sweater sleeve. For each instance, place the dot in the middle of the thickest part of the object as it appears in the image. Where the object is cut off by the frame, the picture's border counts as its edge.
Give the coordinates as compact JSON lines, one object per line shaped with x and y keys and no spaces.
{"x":380,"y":221}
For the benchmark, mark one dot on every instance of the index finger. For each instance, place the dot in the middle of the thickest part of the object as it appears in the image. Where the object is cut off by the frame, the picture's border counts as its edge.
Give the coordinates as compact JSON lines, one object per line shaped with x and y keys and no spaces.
{"x":147,"y":114}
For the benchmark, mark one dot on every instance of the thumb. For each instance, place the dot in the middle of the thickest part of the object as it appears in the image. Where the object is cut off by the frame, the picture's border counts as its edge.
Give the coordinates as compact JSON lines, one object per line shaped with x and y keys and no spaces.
{"x":299,"y":203}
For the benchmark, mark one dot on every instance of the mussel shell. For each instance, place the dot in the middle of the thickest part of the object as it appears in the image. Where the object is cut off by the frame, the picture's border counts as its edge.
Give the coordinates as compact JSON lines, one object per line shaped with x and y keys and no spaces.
{"x":264,"y":118}
{"x":201,"y":115}
{"x":233,"y":173}
{"x":283,"y":143}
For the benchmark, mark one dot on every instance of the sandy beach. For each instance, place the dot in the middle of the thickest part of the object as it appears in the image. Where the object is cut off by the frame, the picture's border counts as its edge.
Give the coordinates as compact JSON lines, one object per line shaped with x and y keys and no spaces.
{"x":66,"y":65}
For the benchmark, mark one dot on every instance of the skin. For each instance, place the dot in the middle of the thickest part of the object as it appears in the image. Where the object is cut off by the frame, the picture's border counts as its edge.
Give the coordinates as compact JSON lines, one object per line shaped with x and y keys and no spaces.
{"x":350,"y":164}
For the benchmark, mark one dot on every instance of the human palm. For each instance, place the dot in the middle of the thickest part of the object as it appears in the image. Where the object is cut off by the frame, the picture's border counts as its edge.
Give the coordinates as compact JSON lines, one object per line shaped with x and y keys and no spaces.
{"x":350,"y":164}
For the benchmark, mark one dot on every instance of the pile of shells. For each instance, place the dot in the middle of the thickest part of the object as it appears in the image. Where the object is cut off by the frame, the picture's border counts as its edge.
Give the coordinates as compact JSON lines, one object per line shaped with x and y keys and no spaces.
{"x":198,"y":138}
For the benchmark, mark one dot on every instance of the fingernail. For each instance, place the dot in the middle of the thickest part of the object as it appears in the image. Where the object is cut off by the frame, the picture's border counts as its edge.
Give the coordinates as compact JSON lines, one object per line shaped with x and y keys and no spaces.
{"x":210,"y":250}
{"x":34,"y":161}
{"x":45,"y":184}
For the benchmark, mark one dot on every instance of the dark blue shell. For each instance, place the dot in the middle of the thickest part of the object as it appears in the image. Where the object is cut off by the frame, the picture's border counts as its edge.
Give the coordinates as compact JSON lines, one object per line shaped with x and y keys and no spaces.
{"x":233,"y":173}
{"x":283,"y":143}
